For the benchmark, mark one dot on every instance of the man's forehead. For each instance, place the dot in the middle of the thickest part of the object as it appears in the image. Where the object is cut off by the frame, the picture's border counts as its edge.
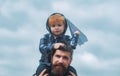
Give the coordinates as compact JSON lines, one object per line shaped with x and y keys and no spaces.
{"x":62,"y":53}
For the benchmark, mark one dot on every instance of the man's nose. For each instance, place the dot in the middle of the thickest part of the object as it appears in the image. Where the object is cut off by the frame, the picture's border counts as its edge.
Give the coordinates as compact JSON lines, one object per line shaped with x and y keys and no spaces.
{"x":61,"y":60}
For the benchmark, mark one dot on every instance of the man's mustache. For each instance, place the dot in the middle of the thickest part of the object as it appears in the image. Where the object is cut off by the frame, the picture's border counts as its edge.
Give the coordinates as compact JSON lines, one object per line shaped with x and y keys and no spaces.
{"x":60,"y":64}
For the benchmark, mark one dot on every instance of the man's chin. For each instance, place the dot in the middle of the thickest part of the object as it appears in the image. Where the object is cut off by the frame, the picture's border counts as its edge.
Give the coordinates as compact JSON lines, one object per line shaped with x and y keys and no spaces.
{"x":58,"y":70}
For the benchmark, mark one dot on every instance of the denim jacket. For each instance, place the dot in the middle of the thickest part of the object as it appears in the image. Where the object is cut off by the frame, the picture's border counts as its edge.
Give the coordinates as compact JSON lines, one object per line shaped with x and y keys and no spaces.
{"x":46,"y":44}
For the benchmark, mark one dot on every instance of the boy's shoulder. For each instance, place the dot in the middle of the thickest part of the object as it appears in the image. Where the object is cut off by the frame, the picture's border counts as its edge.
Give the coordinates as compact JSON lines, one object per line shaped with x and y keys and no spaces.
{"x":47,"y":35}
{"x":67,"y":37}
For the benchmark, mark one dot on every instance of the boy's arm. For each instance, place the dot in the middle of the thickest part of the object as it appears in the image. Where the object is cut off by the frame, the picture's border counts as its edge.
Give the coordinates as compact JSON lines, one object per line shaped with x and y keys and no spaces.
{"x":45,"y":46}
{"x":74,"y":39}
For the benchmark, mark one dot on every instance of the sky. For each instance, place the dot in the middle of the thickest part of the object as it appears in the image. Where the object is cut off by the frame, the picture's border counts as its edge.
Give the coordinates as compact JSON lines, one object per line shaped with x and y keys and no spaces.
{"x":22,"y":24}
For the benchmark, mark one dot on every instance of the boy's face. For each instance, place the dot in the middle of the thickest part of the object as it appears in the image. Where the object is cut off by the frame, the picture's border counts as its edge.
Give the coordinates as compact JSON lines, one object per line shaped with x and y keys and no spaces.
{"x":57,"y":28}
{"x":57,"y":25}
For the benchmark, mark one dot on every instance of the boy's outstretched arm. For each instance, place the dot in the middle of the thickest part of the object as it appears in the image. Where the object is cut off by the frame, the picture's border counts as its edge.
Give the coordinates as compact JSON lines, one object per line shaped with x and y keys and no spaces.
{"x":74,"y":39}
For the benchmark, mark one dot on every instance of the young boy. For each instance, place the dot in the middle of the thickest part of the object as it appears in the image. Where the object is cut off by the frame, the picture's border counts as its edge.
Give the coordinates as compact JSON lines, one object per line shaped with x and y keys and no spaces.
{"x":56,"y":25}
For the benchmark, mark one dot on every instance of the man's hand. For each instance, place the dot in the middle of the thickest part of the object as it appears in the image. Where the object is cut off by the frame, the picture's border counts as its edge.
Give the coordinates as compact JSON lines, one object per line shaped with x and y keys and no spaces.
{"x":43,"y":73}
{"x":72,"y":74}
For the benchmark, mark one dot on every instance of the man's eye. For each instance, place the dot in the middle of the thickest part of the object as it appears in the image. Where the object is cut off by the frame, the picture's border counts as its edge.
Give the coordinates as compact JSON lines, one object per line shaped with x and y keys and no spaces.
{"x":57,"y":56}
{"x":66,"y":58}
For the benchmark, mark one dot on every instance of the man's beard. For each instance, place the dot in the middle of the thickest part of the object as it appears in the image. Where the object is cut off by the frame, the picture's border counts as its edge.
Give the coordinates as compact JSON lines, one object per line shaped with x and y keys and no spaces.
{"x":58,"y":69}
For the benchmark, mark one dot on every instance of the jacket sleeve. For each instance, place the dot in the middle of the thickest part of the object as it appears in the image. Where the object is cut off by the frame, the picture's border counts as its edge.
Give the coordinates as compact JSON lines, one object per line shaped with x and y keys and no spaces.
{"x":45,"y":46}
{"x":74,"y":41}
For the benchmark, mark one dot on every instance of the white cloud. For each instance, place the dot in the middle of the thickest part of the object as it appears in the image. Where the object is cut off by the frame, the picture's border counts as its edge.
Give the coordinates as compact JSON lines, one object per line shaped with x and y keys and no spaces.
{"x":105,"y":40}
{"x":89,"y":59}
{"x":61,"y":6}
{"x":108,"y":10}
{"x":21,"y":6}
{"x":5,"y":9}
{"x":25,"y":32}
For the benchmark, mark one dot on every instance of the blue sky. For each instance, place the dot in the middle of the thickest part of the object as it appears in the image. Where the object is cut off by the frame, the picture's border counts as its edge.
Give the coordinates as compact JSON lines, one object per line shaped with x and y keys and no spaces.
{"x":22,"y":24}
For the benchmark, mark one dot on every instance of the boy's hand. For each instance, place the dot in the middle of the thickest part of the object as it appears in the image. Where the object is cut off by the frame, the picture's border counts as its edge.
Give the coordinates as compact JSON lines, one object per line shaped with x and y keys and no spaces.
{"x":43,"y":73}
{"x":77,"y":32}
{"x":57,"y":45}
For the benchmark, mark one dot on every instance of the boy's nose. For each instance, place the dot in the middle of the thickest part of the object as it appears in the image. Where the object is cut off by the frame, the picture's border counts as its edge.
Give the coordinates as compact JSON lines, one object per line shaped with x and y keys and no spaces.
{"x":56,"y":25}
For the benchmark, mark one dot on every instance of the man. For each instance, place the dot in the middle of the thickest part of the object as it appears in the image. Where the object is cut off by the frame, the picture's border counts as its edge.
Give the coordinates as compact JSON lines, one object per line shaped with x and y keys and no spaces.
{"x":61,"y":59}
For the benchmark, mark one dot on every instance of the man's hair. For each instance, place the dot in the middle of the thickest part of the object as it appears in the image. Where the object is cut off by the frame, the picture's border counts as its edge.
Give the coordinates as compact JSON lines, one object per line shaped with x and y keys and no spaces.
{"x":66,"y":48}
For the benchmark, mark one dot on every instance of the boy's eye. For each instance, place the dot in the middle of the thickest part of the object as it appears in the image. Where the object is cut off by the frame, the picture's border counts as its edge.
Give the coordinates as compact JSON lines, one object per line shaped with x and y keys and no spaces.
{"x":52,"y":25}
{"x":59,"y":25}
{"x":56,"y":25}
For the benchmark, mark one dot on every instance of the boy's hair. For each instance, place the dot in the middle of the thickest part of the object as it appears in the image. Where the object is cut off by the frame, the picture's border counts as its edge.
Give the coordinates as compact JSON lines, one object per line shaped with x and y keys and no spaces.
{"x":66,"y":48}
{"x":54,"y":18}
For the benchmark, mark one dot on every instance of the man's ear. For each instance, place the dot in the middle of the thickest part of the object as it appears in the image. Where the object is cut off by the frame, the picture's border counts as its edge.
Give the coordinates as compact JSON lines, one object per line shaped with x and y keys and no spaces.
{"x":70,"y":60}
